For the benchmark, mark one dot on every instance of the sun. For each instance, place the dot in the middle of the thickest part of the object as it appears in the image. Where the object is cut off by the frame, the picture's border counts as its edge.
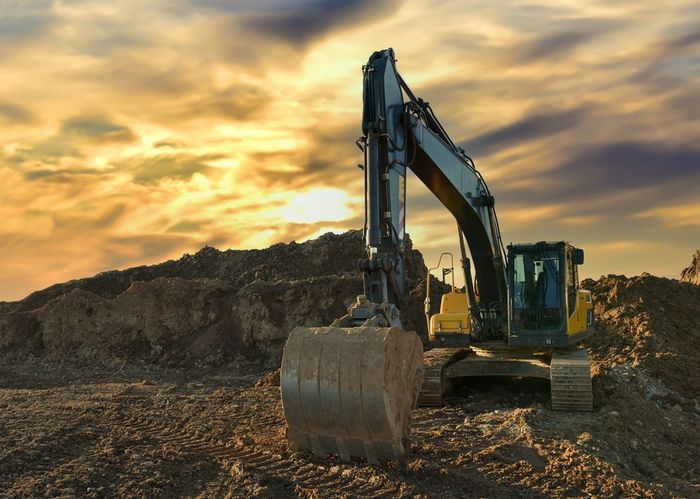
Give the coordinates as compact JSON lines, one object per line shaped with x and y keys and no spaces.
{"x":322,"y":204}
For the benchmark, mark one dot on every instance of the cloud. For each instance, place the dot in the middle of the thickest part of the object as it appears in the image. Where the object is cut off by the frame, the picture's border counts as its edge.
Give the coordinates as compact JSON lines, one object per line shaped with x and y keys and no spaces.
{"x":661,"y":58}
{"x":553,"y":45}
{"x":21,"y":21}
{"x":155,"y":127}
{"x":142,"y":75}
{"x":300,"y":22}
{"x":60,"y":175}
{"x":151,"y":170}
{"x":530,"y":127}
{"x":75,"y":136}
{"x":676,"y":215}
{"x":96,"y":129}
{"x":236,"y":102}
{"x":12,"y":114}
{"x":623,"y":166}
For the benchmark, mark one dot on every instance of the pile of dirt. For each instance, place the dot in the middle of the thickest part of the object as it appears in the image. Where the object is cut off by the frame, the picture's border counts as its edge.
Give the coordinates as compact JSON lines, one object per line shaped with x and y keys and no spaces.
{"x":646,"y":377}
{"x":205,"y":308}
{"x":691,"y":274}
{"x":651,"y":323}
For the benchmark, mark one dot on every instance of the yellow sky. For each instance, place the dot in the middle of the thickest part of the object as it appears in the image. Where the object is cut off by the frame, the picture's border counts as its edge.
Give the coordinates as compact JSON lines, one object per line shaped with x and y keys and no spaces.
{"x":135,"y":131}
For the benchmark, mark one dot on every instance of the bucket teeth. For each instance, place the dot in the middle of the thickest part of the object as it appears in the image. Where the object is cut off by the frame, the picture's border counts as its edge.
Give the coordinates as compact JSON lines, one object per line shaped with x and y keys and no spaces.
{"x":350,"y":391}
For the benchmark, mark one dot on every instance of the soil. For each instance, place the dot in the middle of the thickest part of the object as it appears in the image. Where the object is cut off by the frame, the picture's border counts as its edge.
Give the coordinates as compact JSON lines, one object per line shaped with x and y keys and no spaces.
{"x":90,"y":407}
{"x":203,"y":309}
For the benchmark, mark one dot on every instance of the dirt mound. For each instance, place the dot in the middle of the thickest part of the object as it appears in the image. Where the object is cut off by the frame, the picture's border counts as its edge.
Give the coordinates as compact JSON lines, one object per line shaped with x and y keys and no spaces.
{"x":691,"y":274}
{"x":203,"y":308}
{"x":649,"y":322}
{"x":646,"y":379}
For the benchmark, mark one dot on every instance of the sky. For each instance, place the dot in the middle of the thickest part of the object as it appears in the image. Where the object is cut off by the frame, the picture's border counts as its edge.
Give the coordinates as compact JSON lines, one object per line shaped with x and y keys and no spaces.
{"x":134,"y":131}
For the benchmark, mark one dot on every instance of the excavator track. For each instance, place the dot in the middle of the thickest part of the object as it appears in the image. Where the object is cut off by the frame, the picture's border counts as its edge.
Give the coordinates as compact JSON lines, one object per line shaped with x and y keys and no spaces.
{"x":570,"y":378}
{"x":434,"y":384}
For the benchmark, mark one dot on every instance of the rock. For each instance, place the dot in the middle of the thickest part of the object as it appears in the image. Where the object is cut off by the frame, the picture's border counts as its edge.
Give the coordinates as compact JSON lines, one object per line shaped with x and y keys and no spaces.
{"x":677,"y":408}
{"x":614,"y":414}
{"x":238,"y":471}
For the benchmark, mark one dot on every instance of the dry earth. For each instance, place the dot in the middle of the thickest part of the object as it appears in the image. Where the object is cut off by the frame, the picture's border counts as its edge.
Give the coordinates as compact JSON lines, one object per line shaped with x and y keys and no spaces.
{"x":159,"y":382}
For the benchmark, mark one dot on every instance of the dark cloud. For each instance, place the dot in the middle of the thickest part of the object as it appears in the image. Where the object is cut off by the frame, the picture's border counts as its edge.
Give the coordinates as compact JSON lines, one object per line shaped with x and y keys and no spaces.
{"x":111,"y":216}
{"x":686,"y":102}
{"x":551,"y":46}
{"x":68,"y":142}
{"x":331,"y":157}
{"x":526,"y":129}
{"x":278,"y":34}
{"x":130,"y":73}
{"x":663,"y":60}
{"x":24,"y":20}
{"x":555,"y":41}
{"x":299,"y":22}
{"x":627,"y":166}
{"x":610,"y":179}
{"x":151,"y":170}
{"x":96,"y":129}
{"x":15,"y":114}
{"x":238,"y":102}
{"x":187,"y":226}
{"x":62,"y":175}
{"x":167,"y":143}
{"x":105,"y":35}
{"x":683,"y":41}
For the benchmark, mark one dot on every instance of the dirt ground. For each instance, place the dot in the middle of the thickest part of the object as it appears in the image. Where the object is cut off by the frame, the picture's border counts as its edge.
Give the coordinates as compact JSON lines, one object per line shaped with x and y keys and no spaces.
{"x":146,"y":431}
{"x":162,"y":381}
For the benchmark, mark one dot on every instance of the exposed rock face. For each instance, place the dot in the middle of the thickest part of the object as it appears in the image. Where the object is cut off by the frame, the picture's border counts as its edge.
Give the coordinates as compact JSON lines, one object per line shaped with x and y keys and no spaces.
{"x":205,"y":307}
{"x":692,"y":273}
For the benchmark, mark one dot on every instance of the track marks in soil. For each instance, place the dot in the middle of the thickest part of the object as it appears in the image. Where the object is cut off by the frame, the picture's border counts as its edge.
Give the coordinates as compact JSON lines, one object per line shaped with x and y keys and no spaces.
{"x":247,"y":457}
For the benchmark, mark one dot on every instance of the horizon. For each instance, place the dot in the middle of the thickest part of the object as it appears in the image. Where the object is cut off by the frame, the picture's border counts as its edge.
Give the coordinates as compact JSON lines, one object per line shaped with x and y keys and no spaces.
{"x":459,"y":280}
{"x":152,"y":130}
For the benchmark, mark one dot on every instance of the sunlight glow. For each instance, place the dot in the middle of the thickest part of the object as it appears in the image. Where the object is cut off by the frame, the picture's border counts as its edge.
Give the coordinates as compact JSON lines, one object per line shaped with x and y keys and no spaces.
{"x":323,"y":204}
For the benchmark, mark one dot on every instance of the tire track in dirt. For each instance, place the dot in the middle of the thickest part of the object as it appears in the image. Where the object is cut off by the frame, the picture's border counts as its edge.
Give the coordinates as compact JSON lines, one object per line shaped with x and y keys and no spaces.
{"x":296,"y":473}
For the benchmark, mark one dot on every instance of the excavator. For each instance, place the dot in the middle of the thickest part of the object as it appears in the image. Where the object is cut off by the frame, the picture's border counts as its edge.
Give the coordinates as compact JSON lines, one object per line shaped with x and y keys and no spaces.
{"x":350,"y":388}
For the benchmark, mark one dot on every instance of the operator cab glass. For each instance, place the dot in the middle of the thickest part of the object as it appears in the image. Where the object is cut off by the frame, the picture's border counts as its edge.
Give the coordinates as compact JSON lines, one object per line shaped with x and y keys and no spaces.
{"x":537,"y":277}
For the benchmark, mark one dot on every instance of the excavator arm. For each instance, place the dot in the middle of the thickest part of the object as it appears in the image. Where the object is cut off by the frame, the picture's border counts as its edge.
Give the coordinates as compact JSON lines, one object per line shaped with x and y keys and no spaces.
{"x":401,"y":134}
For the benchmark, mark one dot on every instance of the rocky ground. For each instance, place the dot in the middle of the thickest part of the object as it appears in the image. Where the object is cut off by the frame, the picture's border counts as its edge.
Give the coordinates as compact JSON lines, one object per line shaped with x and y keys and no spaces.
{"x":162,"y":381}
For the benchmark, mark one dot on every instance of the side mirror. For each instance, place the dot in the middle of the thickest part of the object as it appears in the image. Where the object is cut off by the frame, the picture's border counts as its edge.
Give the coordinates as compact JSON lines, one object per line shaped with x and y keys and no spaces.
{"x":577,"y":256}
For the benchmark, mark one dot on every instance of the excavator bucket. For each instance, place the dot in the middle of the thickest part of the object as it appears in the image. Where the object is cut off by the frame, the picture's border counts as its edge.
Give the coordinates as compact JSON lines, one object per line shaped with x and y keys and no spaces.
{"x":351,"y":391}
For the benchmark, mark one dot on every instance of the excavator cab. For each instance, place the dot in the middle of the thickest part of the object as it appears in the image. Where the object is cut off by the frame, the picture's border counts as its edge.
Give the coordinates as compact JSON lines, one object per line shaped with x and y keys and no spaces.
{"x":546,"y":306}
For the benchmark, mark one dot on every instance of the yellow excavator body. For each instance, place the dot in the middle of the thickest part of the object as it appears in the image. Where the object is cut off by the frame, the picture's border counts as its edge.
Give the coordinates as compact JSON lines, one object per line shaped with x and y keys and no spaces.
{"x":454,"y":315}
